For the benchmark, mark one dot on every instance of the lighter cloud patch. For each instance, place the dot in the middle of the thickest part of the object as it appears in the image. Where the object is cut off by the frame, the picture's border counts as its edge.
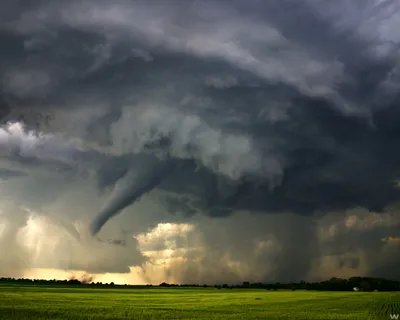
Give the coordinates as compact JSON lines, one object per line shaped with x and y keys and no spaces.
{"x":357,"y":219}
{"x":221,"y":82}
{"x":221,"y":38}
{"x":16,"y":140}
{"x":328,"y":266}
{"x":229,"y":154}
{"x":165,"y":231}
{"x":394,"y":241}
{"x":143,"y":54}
{"x":194,"y":262}
{"x":37,"y":241}
{"x":67,"y":246}
{"x":27,"y":83}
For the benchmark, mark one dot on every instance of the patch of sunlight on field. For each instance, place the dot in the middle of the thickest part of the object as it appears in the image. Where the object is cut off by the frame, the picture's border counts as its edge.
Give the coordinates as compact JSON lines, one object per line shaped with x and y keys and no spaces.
{"x":34,"y":302}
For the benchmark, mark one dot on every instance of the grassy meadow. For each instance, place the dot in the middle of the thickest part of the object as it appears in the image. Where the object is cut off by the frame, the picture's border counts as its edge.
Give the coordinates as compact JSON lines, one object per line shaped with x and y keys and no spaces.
{"x":58,"y":302}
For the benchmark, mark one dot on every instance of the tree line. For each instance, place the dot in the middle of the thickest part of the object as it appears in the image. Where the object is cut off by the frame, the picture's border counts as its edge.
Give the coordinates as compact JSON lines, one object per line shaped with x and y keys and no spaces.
{"x":333,"y":284}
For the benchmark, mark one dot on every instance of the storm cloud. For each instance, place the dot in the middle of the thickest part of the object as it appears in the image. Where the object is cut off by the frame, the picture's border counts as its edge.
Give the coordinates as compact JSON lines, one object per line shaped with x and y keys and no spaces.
{"x":285,"y":112}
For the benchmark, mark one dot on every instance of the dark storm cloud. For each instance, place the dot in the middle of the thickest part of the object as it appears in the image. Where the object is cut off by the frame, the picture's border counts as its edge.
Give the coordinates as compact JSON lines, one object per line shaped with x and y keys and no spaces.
{"x":6,"y":174}
{"x":288,"y":106}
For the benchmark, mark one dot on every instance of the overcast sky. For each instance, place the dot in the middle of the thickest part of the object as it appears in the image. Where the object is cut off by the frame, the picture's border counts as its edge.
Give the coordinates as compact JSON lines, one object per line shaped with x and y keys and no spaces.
{"x":200,"y":141}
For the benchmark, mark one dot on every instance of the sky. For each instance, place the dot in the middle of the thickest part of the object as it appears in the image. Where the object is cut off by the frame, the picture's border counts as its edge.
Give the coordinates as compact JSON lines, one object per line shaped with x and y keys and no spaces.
{"x":199,"y":141}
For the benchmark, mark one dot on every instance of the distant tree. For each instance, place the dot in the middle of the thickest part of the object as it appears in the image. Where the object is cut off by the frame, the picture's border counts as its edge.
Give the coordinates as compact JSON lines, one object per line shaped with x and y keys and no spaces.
{"x":365,"y":286}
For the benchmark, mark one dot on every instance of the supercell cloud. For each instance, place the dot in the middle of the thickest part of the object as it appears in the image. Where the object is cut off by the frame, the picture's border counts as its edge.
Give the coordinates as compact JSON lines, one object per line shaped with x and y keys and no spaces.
{"x":281,"y":116}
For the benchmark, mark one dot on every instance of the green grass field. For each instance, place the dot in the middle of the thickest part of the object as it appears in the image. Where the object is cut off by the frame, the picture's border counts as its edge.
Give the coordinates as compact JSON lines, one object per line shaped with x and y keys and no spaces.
{"x":57,"y":302}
